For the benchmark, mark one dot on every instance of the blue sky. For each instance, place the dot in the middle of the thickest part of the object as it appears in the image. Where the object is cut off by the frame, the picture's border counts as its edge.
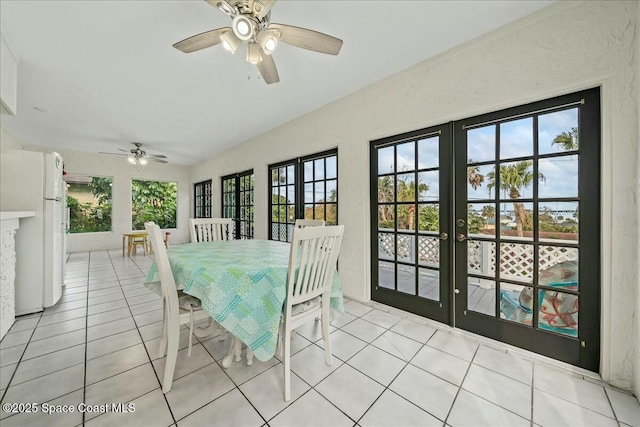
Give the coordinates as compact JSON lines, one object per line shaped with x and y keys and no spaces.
{"x":561,"y":174}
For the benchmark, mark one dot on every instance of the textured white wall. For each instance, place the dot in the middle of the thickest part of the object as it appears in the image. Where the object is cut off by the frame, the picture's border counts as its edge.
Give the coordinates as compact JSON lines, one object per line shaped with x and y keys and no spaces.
{"x":7,"y":276}
{"x":567,"y":47}
{"x":7,"y":141}
{"x":123,"y":172}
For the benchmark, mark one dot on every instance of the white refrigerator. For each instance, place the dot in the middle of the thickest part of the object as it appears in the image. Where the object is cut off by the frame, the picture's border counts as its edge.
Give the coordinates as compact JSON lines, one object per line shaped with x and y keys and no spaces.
{"x":32,"y":181}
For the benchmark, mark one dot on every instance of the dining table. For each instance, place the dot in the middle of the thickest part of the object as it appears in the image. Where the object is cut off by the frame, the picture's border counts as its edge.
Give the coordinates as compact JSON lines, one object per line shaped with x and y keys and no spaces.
{"x":242,"y":285}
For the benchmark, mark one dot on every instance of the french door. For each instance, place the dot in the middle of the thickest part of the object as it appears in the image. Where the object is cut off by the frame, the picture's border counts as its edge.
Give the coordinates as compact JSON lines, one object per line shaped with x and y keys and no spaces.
{"x":515,"y":248}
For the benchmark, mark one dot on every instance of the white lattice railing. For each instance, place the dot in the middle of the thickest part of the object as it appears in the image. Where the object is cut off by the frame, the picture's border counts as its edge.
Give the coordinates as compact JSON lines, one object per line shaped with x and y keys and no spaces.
{"x":516,"y":259}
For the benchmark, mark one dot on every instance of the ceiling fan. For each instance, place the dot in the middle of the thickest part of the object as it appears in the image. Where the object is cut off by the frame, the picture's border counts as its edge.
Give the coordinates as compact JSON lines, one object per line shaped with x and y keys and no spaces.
{"x":251,"y":23}
{"x":137,"y":156}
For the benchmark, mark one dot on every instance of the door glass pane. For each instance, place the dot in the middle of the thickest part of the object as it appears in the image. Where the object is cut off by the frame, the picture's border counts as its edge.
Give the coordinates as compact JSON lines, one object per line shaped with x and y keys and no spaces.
{"x":481,"y":257}
{"x":291,"y":176}
{"x":308,"y":171}
{"x":332,"y":214}
{"x":429,"y":284}
{"x":291,"y":194}
{"x":429,"y":217}
{"x":429,"y":186}
{"x":515,"y":303}
{"x":386,"y":246}
{"x":481,"y":182}
{"x":319,"y":169}
{"x":308,"y":211}
{"x":558,"y":312}
{"x":515,"y":181}
{"x":516,"y":262}
{"x":405,"y":247}
{"x":386,"y":274}
{"x":558,"y":221}
{"x":558,"y":267}
{"x":386,"y":217}
{"x":407,"y":279}
{"x":332,"y":167}
{"x":560,"y":177}
{"x":386,"y":191}
{"x":516,"y":138}
{"x":406,"y":189}
{"x":406,"y":217}
{"x":406,"y":156}
{"x":385,"y":161}
{"x":481,"y":296}
{"x":481,"y":219}
{"x":332,"y":190}
{"x":428,"y":152}
{"x":308,"y":193}
{"x":558,"y":132}
{"x":319,"y":192}
{"x":429,"y":251}
{"x":516,"y":220}
{"x":481,"y":144}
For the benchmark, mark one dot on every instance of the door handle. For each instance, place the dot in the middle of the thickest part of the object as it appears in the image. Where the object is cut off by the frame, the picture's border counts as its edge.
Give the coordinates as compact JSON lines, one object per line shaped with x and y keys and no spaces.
{"x":461,"y":237}
{"x":443,"y":236}
{"x":456,"y":291}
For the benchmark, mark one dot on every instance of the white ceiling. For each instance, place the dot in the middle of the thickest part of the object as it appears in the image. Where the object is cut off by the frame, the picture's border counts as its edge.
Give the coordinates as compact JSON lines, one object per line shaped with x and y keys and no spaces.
{"x":109,"y":75}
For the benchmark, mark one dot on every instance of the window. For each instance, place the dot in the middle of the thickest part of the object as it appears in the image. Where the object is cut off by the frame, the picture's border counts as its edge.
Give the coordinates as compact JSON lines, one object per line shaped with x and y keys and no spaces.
{"x":237,"y":202}
{"x":305,"y":187}
{"x":202,"y":199}
{"x":89,"y":203}
{"x":153,"y":201}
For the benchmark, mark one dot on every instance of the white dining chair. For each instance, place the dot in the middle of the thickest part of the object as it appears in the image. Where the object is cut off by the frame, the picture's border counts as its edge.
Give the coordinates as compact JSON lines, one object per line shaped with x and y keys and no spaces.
{"x":210,"y":229}
{"x":304,"y":223}
{"x":175,"y":313}
{"x":312,"y":264}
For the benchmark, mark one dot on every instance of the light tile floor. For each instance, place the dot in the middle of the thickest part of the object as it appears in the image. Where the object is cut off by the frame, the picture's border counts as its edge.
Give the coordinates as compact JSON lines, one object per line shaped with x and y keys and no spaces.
{"x":99,"y":345}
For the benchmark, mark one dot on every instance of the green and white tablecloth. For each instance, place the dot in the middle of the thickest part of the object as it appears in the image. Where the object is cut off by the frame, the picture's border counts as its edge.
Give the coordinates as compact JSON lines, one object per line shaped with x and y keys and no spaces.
{"x":242,"y":285}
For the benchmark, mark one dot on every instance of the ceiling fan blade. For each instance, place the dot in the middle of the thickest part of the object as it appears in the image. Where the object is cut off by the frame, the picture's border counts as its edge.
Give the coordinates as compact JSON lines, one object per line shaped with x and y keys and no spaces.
{"x":122,"y":149}
{"x":262,"y":7}
{"x":201,"y":41}
{"x":306,"y":39}
{"x":157,"y":156}
{"x":114,"y":154}
{"x":268,"y":70}
{"x":157,"y":160}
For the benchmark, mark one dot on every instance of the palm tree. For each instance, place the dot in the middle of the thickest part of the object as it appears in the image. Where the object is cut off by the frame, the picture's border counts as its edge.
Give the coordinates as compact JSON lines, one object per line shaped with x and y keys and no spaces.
{"x":474,"y":176}
{"x":488,"y":212}
{"x":513,"y":179}
{"x":407,"y":191}
{"x":567,"y":140}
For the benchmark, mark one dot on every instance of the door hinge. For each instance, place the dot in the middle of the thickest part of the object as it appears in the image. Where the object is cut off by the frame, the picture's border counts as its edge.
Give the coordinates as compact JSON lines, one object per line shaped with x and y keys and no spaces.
{"x":583,"y":344}
{"x":465,"y":312}
{"x":440,"y":305}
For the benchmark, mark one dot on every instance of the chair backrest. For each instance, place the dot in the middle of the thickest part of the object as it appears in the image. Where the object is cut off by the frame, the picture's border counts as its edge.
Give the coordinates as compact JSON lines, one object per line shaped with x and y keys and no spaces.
{"x":210,"y":229}
{"x":312,"y":262}
{"x":167,"y":282}
{"x":304,"y":223}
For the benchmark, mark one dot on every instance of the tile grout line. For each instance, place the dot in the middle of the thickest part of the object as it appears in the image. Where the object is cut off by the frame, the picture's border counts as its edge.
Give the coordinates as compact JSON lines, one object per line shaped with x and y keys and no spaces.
{"x":453,"y":402}
{"x":86,"y":336}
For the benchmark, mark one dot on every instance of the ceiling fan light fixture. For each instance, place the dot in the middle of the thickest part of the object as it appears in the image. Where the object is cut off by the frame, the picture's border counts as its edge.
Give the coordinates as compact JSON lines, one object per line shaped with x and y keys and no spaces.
{"x":230,"y":42}
{"x":267,"y":41}
{"x":132,"y":160}
{"x":242,"y":27}
{"x":253,"y":53}
{"x":142,"y":161}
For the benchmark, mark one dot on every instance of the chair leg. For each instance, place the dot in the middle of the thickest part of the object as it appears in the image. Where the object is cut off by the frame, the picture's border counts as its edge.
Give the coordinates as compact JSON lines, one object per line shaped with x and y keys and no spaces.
{"x":172,"y":356}
{"x":249,"y":356}
{"x":325,"y":335}
{"x":163,"y":339}
{"x":287,"y":365}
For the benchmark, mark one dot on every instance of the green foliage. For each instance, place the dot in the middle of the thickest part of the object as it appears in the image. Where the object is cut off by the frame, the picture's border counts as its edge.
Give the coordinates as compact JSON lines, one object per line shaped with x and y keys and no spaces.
{"x":92,"y":217}
{"x":475,"y":222}
{"x":153,"y":201}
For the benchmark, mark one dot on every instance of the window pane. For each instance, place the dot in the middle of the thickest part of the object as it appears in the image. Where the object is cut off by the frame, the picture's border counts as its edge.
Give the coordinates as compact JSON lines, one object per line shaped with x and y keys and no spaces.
{"x":516,"y":138}
{"x":481,"y":144}
{"x":558,"y":312}
{"x":319,"y":169}
{"x":516,"y":180}
{"x":429,"y":284}
{"x":308,"y":171}
{"x":516,"y":220}
{"x":407,"y":279}
{"x":481,"y":219}
{"x":560,"y":177}
{"x":332,"y":167}
{"x":385,"y":161}
{"x":516,"y":303}
{"x":481,"y":182}
{"x":558,"y":221}
{"x":428,"y":151}
{"x":481,"y":296}
{"x":558,"y":132}
{"x":89,"y":203}
{"x":406,"y":156}
{"x":153,"y":201}
{"x":428,"y":186}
